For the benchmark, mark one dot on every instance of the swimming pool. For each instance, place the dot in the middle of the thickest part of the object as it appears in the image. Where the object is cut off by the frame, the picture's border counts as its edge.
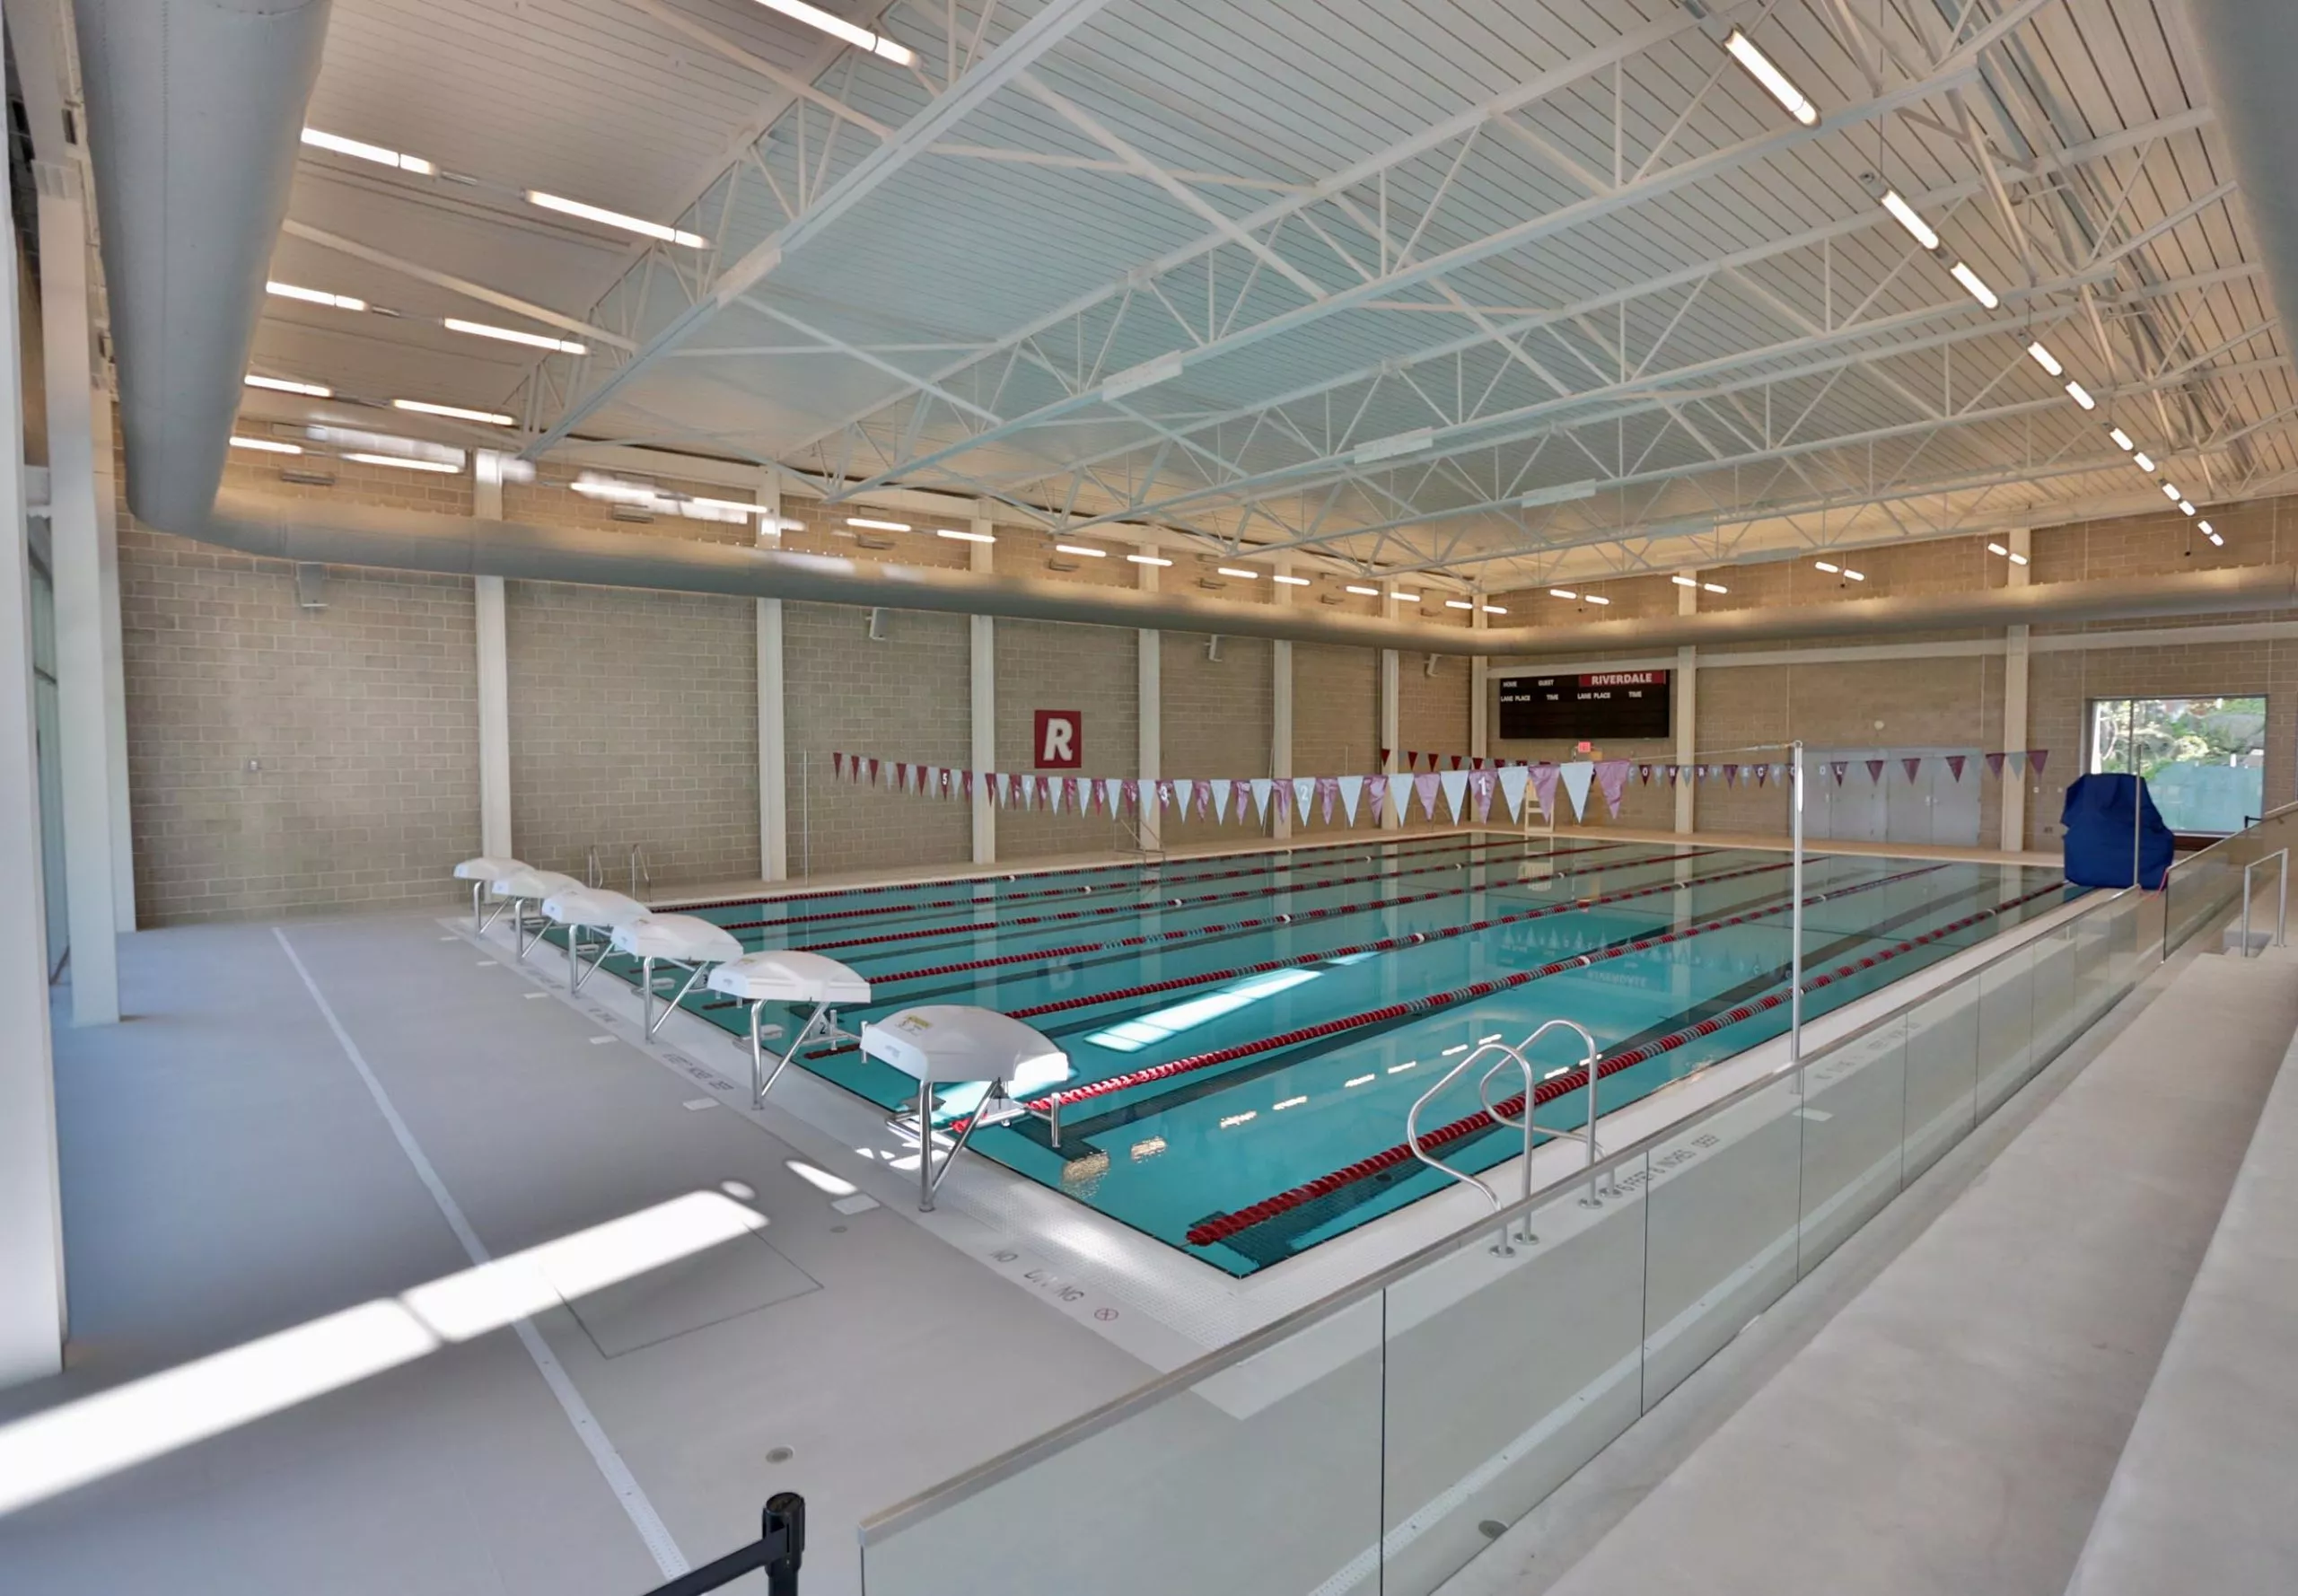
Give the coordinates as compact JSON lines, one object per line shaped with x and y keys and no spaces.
{"x":1248,"y":1031}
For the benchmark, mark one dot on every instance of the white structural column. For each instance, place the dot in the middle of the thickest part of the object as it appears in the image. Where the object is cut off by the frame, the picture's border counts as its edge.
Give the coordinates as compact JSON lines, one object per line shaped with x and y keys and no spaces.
{"x":1479,"y":688}
{"x":1392,"y":814}
{"x":2016,"y":645}
{"x":31,"y":1227}
{"x":773,"y":717}
{"x":1280,"y":715}
{"x":1149,"y":700}
{"x":493,"y":673}
{"x":123,"y":837}
{"x":66,"y":344}
{"x":1684,"y":697}
{"x":983,"y":655}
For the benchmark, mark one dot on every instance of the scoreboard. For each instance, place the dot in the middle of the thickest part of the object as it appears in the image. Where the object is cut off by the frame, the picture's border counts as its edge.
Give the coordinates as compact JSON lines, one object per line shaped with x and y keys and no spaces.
{"x":1600,"y":704}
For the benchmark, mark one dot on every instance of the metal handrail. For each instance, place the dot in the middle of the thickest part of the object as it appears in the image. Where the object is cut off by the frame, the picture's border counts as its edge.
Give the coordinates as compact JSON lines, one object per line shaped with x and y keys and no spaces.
{"x":1253,"y":1342}
{"x":1412,"y":1127}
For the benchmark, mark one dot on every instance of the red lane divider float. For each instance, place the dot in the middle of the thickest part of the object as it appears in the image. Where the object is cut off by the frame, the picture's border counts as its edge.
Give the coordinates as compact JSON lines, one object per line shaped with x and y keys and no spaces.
{"x":1102,"y":910}
{"x":1107,"y":887}
{"x":1052,"y":1103}
{"x":1222,"y":1226}
{"x":1014,"y":875}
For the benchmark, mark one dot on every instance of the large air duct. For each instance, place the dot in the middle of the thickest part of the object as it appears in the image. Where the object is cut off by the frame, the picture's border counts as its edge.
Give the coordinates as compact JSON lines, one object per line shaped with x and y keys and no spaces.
{"x":460,"y":546}
{"x":2249,"y":49}
{"x":194,"y":111}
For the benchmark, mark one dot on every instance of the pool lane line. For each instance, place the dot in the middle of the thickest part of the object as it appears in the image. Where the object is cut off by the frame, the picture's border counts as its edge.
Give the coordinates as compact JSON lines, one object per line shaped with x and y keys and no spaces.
{"x":992,"y":878}
{"x":1051,"y":1103}
{"x":1270,"y":1240}
{"x":1385,"y":944}
{"x":1102,"y":910}
{"x":940,"y":905}
{"x":1219,"y":1227}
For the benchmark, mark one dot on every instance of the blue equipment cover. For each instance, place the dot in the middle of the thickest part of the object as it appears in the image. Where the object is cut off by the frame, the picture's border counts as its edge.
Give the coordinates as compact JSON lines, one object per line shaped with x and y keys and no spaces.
{"x":2098,"y":813}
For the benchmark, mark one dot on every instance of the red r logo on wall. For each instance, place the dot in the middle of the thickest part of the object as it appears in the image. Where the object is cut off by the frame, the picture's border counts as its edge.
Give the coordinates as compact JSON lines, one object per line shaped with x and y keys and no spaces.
{"x":1061,"y":740}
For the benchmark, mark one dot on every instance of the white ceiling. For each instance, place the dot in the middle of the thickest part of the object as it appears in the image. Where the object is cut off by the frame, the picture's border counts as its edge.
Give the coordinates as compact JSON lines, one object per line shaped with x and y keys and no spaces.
{"x":1634,"y":268}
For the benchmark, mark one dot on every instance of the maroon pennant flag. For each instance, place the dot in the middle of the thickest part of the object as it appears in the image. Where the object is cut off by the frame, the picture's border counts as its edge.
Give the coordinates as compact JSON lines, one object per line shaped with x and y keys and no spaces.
{"x":1017,"y":791}
{"x":1476,"y":764}
{"x":1731,"y":775}
{"x":1876,"y":769}
{"x":1955,"y":763}
{"x":1912,"y":764}
{"x":837,"y":765}
{"x":1044,"y":792}
{"x":2036,"y":758}
{"x":901,"y":774}
{"x":1763,"y":775}
{"x":1200,"y":799}
{"x":1069,"y":794}
{"x":1644,"y":775}
{"x":1700,"y":773}
{"x":1838,"y":768}
{"x":1164,"y":796}
{"x":872,"y":777}
{"x":1384,"y":758}
{"x":1130,"y":791}
{"x":1994,"y":764}
{"x":1412,"y":758}
{"x":1456,"y":760}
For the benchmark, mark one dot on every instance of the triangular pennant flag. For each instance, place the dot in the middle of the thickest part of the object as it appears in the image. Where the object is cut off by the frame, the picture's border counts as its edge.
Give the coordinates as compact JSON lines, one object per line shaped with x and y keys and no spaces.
{"x":1913,"y":765}
{"x":1129,"y":791}
{"x":1454,"y":785}
{"x":1424,"y":787}
{"x":1456,"y":760}
{"x":1876,"y":769}
{"x":1994,"y":765}
{"x":2037,"y":758}
{"x":872,"y":777}
{"x":1262,"y":788}
{"x":1544,"y":788}
{"x":1044,"y":792}
{"x":837,"y":766}
{"x":1328,"y":789}
{"x":1703,"y":772}
{"x":1670,"y":774}
{"x":1241,"y":798}
{"x":2017,"y":759}
{"x":1482,"y":784}
{"x":1016,"y":792}
{"x":1838,"y":768}
{"x":1304,"y":795}
{"x":1377,"y":787}
{"x":1069,"y":795}
{"x":1351,"y":789}
{"x":1644,"y":775}
{"x":1200,"y":802}
{"x":1513,"y":779}
{"x":1731,"y":775}
{"x":1612,"y":780}
{"x":1763,"y":775}
{"x":1955,"y":763}
{"x":1577,"y":776}
{"x":1164,"y":796}
{"x":1476,"y":763}
{"x":1384,"y":758}
{"x":901,"y":774}
{"x":1221,"y":791}
{"x":1097,"y":796}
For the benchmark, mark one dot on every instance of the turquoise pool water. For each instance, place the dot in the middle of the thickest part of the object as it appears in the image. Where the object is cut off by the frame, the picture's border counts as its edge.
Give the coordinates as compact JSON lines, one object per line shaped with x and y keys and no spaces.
{"x":1267,"y":1020}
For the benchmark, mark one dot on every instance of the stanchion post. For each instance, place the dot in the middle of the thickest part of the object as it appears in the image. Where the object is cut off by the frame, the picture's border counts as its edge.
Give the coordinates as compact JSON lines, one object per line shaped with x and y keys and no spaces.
{"x":782,"y":1529}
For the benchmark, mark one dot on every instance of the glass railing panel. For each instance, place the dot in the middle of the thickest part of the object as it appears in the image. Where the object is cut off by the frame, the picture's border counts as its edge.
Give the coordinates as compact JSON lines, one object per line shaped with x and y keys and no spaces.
{"x":1942,"y":1073}
{"x":2007,"y":1027}
{"x":1854,"y":1121}
{"x":1263,"y":1477}
{"x":1504,"y":1374}
{"x":1723,"y":1216}
{"x":2056,"y":1022}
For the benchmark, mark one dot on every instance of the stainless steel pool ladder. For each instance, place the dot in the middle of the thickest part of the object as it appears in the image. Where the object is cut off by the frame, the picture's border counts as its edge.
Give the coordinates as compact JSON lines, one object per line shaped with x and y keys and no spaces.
{"x":1514,"y":1055}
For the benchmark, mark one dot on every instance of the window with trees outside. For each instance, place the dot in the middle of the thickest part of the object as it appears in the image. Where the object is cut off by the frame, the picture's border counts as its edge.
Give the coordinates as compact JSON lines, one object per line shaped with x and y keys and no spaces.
{"x":2204,"y":759}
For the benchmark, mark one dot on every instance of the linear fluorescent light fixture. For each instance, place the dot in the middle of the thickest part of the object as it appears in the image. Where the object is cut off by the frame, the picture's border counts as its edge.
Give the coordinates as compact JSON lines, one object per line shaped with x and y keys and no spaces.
{"x":1362,"y":592}
{"x":452,"y":412}
{"x":1974,"y":284}
{"x":359,"y":150}
{"x":1689,"y":582}
{"x":287,"y":385}
{"x":2144,"y":461}
{"x":1394,"y":447}
{"x":2080,"y":396}
{"x":1831,"y":570}
{"x":1239,"y":571}
{"x":405,"y":463}
{"x":1133,"y":379}
{"x":1458,"y":604}
{"x":1148,"y":559}
{"x":607,"y":218}
{"x":1851,"y":575}
{"x":2016,"y":559}
{"x":1090,"y":554}
{"x":2186,"y":506}
{"x":2122,"y":438}
{"x":2045,"y":359}
{"x":2171,"y":492}
{"x":1713,"y":587}
{"x":956,"y":536}
{"x":315,"y":296}
{"x":267,"y":445}
{"x":1566,"y":492}
{"x":1776,"y":82}
{"x":868,"y":525}
{"x":1496,"y":609}
{"x":1595,"y":599}
{"x":2210,"y":532}
{"x":1905,"y":216}
{"x":1290,"y":581}
{"x":1403,"y":597}
{"x":838,"y":28}
{"x":512,"y":335}
{"x":1562,"y":592}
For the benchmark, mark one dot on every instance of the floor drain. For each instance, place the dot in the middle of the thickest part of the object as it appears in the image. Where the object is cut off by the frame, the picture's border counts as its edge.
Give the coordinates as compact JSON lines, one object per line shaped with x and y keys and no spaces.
{"x":1492,"y":1529}
{"x":780,"y":1455}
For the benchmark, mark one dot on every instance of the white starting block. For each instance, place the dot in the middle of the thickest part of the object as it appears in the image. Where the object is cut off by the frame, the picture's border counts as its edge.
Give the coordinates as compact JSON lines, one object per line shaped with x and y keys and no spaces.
{"x":482,"y":874}
{"x":592,"y":909}
{"x":787,"y":975}
{"x":523,"y":886}
{"x":686,"y":942}
{"x":949,"y":1044}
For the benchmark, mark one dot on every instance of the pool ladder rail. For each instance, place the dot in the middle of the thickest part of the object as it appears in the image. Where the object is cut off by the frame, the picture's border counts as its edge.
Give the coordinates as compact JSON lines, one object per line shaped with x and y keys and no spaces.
{"x":1590,"y":1061}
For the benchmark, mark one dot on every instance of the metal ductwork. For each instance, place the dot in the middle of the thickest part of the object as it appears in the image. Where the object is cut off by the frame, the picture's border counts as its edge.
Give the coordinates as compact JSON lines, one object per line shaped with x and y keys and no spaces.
{"x":194,"y":111}
{"x":460,"y":546}
{"x":2250,"y":49}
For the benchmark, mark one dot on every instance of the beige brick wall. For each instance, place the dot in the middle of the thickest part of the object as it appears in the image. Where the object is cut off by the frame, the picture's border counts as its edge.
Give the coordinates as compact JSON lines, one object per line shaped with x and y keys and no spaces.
{"x":1093,"y":670}
{"x":1216,"y":719}
{"x":1336,"y":710}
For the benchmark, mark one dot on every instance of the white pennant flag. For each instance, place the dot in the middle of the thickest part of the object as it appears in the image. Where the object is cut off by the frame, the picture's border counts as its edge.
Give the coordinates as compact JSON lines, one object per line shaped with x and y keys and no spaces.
{"x":1455,"y":785}
{"x":1220,"y":802}
{"x":1262,"y":788}
{"x":1512,"y":778}
{"x":1352,"y":792}
{"x":1576,"y":777}
{"x":1304,"y":793}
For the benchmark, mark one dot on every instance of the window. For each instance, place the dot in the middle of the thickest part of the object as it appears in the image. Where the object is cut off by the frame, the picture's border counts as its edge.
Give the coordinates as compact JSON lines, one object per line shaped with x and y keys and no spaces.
{"x":2204,"y":759}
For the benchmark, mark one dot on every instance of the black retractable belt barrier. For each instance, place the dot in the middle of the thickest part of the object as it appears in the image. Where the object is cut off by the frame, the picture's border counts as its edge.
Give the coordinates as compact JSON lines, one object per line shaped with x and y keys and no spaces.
{"x":780,"y":1547}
